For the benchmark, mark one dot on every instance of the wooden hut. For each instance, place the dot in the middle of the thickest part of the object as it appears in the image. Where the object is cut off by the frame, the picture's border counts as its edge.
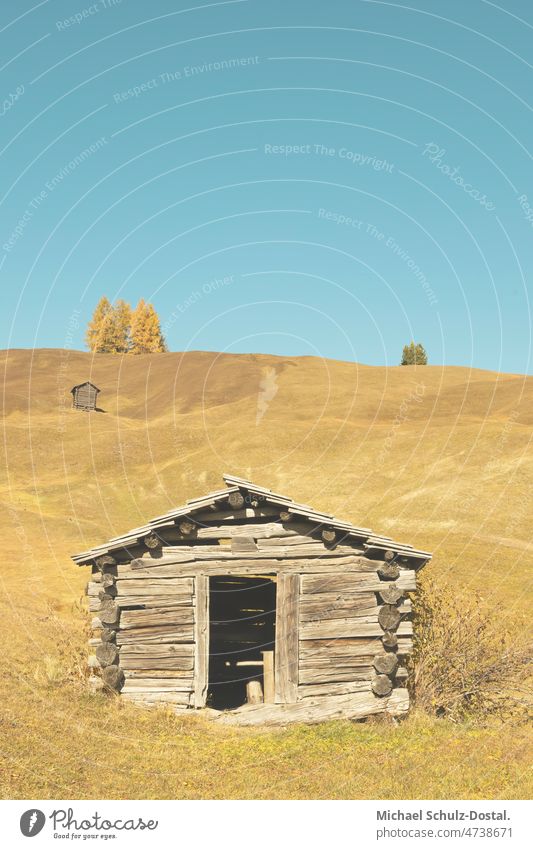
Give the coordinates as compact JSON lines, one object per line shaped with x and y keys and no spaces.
{"x":84,"y":396}
{"x":257,"y":607}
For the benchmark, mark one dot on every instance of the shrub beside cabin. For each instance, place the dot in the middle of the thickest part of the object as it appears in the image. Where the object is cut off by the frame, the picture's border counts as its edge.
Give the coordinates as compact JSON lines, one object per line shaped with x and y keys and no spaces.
{"x":257,"y":607}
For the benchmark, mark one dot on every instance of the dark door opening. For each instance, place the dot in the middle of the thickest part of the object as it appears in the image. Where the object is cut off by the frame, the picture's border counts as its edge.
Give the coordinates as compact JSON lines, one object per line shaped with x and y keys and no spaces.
{"x":242,"y":619}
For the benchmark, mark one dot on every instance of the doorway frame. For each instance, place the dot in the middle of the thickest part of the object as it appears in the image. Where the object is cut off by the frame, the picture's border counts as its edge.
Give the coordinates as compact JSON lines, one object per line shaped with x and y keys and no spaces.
{"x":286,"y":634}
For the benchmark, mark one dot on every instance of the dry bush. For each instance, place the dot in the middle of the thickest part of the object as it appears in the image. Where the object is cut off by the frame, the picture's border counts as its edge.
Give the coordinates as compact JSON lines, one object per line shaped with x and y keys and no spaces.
{"x":68,"y":664}
{"x":464,"y":664}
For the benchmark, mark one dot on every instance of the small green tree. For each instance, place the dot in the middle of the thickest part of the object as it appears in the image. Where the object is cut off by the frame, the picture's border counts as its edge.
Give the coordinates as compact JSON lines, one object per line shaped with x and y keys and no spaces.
{"x":414,"y":355}
{"x":95,"y":326}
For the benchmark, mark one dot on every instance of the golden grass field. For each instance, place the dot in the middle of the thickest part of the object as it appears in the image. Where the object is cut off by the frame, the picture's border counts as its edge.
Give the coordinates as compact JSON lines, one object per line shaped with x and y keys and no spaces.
{"x":437,"y":457}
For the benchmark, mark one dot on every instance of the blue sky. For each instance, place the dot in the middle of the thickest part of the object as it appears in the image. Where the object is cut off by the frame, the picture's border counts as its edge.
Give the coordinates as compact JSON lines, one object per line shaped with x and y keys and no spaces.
{"x":286,"y":177}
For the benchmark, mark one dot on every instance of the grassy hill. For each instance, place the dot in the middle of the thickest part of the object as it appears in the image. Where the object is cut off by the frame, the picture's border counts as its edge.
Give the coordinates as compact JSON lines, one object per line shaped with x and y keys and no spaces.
{"x":437,"y":457}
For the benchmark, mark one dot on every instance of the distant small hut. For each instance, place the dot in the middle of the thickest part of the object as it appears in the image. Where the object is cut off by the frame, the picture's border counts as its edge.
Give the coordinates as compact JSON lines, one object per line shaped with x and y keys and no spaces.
{"x":262,"y":609}
{"x":84,"y":396}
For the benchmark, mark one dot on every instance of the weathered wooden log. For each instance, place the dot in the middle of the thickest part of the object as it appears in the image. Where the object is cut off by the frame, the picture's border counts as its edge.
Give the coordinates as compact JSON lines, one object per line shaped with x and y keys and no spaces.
{"x":310,"y":691}
{"x":108,"y":635}
{"x":333,"y":649}
{"x":389,"y":617}
{"x":390,"y":641}
{"x":141,"y":600}
{"x":140,"y":685}
{"x":319,"y":709}
{"x":181,"y":588}
{"x":389,"y":571}
{"x":107,"y":654}
{"x":391,"y":593}
{"x":156,"y":634}
{"x":381,"y":685}
{"x":146,"y":618}
{"x":329,"y":535}
{"x":107,"y":580}
{"x":254,"y":693}
{"x":386,"y":663}
{"x":105,"y":561}
{"x":236,"y":500}
{"x":152,"y":541}
{"x":113,"y":677}
{"x":321,"y":675}
{"x":315,"y":606}
{"x":158,"y":673}
{"x":186,"y":527}
{"x":157,"y":657}
{"x":334,"y":628}
{"x":268,"y":677}
{"x":110,"y":614}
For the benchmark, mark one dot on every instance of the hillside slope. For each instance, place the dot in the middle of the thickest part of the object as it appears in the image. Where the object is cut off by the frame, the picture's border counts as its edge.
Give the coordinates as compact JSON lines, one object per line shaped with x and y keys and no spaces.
{"x":437,"y":457}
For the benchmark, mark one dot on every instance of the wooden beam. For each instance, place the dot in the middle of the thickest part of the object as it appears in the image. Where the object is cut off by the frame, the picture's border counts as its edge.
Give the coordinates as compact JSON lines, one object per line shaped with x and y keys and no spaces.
{"x":286,"y":665}
{"x":201,"y":646}
{"x":269,"y":685}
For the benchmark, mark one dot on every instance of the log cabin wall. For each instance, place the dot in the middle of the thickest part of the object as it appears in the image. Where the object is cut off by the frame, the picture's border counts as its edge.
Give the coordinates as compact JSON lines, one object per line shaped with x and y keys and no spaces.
{"x":343,"y":616}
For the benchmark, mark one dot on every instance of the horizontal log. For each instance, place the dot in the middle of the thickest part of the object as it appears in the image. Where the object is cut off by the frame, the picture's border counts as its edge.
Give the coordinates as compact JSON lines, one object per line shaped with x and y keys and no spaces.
{"x":113,"y":677}
{"x":336,"y":663}
{"x":390,"y":593}
{"x":151,"y":601}
{"x":158,"y":698}
{"x":220,"y":553}
{"x":319,"y":709}
{"x":107,"y":654}
{"x":336,"y":606}
{"x":322,"y":675}
{"x":106,"y":562}
{"x":389,"y":617}
{"x":289,"y":540}
{"x":159,"y":617}
{"x":157,"y":586}
{"x":136,"y":582}
{"x":257,"y":531}
{"x":155,"y":634}
{"x":381,"y":685}
{"x":107,"y":580}
{"x":333,"y":648}
{"x":156,"y":657}
{"x":350,"y":628}
{"x":351,"y":578}
{"x":155,"y":685}
{"x":310,"y":691}
{"x":389,"y":571}
{"x":346,"y":581}
{"x":166,"y":674}
{"x":225,"y":514}
{"x":386,"y":663}
{"x":109,"y":615}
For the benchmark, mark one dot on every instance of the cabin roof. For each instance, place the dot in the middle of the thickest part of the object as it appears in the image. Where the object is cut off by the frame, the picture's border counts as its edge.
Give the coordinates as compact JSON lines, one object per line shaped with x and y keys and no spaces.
{"x":372,"y":543}
{"x":85,"y":383}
